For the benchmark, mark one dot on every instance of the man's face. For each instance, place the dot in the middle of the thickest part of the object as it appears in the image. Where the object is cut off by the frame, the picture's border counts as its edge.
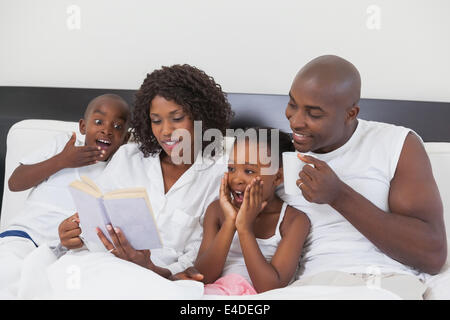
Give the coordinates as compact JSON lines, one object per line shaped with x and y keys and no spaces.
{"x":316,"y":117}
{"x":106,"y":126}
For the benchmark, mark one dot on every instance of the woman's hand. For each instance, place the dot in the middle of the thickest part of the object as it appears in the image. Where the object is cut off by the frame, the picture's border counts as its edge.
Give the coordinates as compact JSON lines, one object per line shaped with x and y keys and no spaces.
{"x":69,"y":232}
{"x":189,"y":274}
{"x":251,"y":206}
{"x":122,"y":249}
{"x":229,"y":210}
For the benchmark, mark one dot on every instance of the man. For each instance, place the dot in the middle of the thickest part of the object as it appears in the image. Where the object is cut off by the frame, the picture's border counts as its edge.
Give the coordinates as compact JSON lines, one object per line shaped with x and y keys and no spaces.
{"x":368,"y":190}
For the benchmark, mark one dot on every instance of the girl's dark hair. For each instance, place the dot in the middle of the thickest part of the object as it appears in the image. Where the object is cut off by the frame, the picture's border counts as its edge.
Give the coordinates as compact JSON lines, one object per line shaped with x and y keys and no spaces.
{"x":191,"y":88}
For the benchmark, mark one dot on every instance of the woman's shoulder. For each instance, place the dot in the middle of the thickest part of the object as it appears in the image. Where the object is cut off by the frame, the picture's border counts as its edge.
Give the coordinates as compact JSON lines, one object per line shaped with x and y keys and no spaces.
{"x":127,"y":151}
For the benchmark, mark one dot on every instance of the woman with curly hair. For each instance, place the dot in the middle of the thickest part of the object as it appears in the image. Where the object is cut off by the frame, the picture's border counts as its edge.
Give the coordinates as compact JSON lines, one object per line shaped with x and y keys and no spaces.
{"x":169,"y":99}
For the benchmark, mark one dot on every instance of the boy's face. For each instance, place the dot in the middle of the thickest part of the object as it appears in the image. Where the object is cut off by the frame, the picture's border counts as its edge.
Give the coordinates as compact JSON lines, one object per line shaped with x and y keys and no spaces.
{"x":106,"y":126}
{"x":166,"y":116}
{"x":242,"y":169}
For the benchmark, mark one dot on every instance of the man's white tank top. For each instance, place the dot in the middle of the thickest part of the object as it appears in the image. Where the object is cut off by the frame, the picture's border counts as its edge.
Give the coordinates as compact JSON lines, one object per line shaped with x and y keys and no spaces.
{"x":235,"y":262}
{"x":367,"y":163}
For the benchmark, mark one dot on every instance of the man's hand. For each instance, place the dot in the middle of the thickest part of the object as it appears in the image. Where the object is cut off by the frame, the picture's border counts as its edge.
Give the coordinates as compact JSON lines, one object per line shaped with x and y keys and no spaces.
{"x":319,"y":184}
{"x":189,"y":274}
{"x":73,"y":157}
{"x":69,"y":232}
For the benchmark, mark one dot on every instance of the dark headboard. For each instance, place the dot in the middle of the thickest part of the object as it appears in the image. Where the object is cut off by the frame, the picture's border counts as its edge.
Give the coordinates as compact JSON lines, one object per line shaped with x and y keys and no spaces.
{"x":429,"y":119}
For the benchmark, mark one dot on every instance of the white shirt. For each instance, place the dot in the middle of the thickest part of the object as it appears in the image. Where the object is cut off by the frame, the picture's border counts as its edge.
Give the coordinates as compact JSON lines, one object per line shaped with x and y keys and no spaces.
{"x":235,"y":262}
{"x":50,"y":202}
{"x":179,"y":212}
{"x":367,"y":163}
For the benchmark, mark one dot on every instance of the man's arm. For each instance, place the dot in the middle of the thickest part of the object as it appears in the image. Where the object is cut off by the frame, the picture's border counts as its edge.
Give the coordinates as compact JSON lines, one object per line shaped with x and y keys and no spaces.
{"x":413,"y":233}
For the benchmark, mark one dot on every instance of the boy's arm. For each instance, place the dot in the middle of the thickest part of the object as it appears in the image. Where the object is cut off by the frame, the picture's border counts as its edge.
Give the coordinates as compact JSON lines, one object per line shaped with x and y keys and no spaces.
{"x":215,"y":244}
{"x":28,"y":176}
{"x":279,"y":271}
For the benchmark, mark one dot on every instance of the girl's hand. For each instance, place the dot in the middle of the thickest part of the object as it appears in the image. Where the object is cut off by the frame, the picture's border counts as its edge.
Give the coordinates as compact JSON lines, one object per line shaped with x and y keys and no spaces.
{"x":73,"y":157}
{"x":122,"y":249}
{"x":229,"y":210}
{"x":69,"y":232}
{"x":251,"y":206}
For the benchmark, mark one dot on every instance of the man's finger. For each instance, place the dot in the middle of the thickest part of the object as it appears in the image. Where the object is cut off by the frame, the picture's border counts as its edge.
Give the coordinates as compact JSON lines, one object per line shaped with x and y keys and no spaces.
{"x":309,"y":159}
{"x":72,"y":139}
{"x":304,"y":176}
{"x":304,"y":188}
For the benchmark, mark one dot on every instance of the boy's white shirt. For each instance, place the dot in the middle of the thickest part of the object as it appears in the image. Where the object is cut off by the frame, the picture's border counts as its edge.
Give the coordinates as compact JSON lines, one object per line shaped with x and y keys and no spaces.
{"x":179,"y":213}
{"x":50,"y":202}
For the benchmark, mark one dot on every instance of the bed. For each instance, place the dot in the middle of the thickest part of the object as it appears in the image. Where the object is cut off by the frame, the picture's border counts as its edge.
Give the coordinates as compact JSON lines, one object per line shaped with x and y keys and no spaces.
{"x":33,"y":114}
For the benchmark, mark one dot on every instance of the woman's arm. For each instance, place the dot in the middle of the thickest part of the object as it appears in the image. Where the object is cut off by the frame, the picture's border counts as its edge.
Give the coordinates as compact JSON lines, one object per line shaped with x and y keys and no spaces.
{"x":279,"y":271}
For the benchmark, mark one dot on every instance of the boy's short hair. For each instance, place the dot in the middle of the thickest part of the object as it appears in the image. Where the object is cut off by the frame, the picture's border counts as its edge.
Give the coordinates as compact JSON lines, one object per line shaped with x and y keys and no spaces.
{"x":110,"y":96}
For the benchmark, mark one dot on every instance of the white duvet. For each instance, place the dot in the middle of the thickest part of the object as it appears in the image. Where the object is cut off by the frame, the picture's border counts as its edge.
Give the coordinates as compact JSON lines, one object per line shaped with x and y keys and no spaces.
{"x":90,"y":275}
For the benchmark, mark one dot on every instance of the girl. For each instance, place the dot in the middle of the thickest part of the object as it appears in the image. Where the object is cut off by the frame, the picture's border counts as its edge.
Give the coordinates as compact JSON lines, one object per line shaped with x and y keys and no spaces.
{"x":169,"y":99}
{"x":251,"y":239}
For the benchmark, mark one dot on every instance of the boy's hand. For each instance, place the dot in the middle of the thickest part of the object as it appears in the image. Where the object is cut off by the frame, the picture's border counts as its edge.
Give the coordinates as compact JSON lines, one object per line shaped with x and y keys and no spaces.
{"x":69,"y":232}
{"x":252,"y":205}
{"x":229,"y":210}
{"x":74,"y":157}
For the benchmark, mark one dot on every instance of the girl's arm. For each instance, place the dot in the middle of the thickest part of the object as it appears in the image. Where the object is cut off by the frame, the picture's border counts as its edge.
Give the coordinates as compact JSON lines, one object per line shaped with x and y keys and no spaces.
{"x":295,"y":227}
{"x":279,"y":271}
{"x":215,"y":245}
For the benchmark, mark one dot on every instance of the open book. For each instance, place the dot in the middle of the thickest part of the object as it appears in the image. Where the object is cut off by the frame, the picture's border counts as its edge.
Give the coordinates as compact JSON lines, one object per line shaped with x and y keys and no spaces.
{"x":127,"y":209}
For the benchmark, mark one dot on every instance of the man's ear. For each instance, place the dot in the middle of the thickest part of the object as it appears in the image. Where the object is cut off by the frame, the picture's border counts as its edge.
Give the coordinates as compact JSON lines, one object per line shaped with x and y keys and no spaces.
{"x":82,"y":126}
{"x":352,"y":112}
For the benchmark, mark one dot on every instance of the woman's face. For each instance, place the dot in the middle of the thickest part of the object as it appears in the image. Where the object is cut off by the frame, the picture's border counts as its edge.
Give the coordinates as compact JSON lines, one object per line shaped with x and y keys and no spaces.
{"x":166,"y":116}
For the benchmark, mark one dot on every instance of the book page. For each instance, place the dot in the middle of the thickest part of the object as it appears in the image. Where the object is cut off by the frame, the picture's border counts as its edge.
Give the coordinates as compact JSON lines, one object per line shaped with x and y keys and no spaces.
{"x":134,"y":217}
{"x":81,"y":185}
{"x":90,"y":183}
{"x":92,"y":215}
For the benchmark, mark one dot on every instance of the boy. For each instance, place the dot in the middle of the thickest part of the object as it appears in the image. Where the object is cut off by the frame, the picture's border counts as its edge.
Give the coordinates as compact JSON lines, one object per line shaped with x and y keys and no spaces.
{"x":50,"y":170}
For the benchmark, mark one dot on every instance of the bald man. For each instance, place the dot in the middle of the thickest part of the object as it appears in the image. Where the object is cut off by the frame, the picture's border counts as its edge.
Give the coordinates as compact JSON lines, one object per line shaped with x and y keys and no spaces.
{"x":368,"y":190}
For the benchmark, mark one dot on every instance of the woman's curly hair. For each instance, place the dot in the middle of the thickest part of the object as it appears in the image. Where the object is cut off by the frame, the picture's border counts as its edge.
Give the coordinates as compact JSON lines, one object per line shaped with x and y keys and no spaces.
{"x":191,"y":88}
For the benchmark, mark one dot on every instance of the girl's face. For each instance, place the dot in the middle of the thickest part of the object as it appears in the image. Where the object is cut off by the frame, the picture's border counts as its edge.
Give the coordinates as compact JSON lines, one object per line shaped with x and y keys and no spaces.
{"x":166,"y":116}
{"x":242,"y":169}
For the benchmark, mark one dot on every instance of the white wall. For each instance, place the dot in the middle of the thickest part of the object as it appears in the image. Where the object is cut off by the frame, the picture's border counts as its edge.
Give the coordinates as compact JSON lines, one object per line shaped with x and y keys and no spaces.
{"x":402,"y":48}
